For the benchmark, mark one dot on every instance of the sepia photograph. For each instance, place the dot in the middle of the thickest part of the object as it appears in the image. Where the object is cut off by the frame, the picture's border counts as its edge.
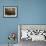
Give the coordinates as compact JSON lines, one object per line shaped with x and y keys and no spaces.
{"x":10,"y":11}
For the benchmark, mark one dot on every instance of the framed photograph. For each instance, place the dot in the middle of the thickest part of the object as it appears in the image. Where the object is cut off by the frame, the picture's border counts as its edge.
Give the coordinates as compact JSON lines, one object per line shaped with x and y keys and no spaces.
{"x":10,"y":11}
{"x":33,"y":32}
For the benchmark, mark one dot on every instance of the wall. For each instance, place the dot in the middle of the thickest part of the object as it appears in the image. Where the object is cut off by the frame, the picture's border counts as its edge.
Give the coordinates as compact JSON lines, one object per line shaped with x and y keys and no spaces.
{"x":32,"y":11}
{"x":7,"y":25}
{"x":29,"y":12}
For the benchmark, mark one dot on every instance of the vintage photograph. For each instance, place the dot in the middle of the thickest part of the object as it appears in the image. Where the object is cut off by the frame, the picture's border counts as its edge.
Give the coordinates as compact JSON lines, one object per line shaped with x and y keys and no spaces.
{"x":10,"y":11}
{"x":29,"y":34}
{"x":32,"y":32}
